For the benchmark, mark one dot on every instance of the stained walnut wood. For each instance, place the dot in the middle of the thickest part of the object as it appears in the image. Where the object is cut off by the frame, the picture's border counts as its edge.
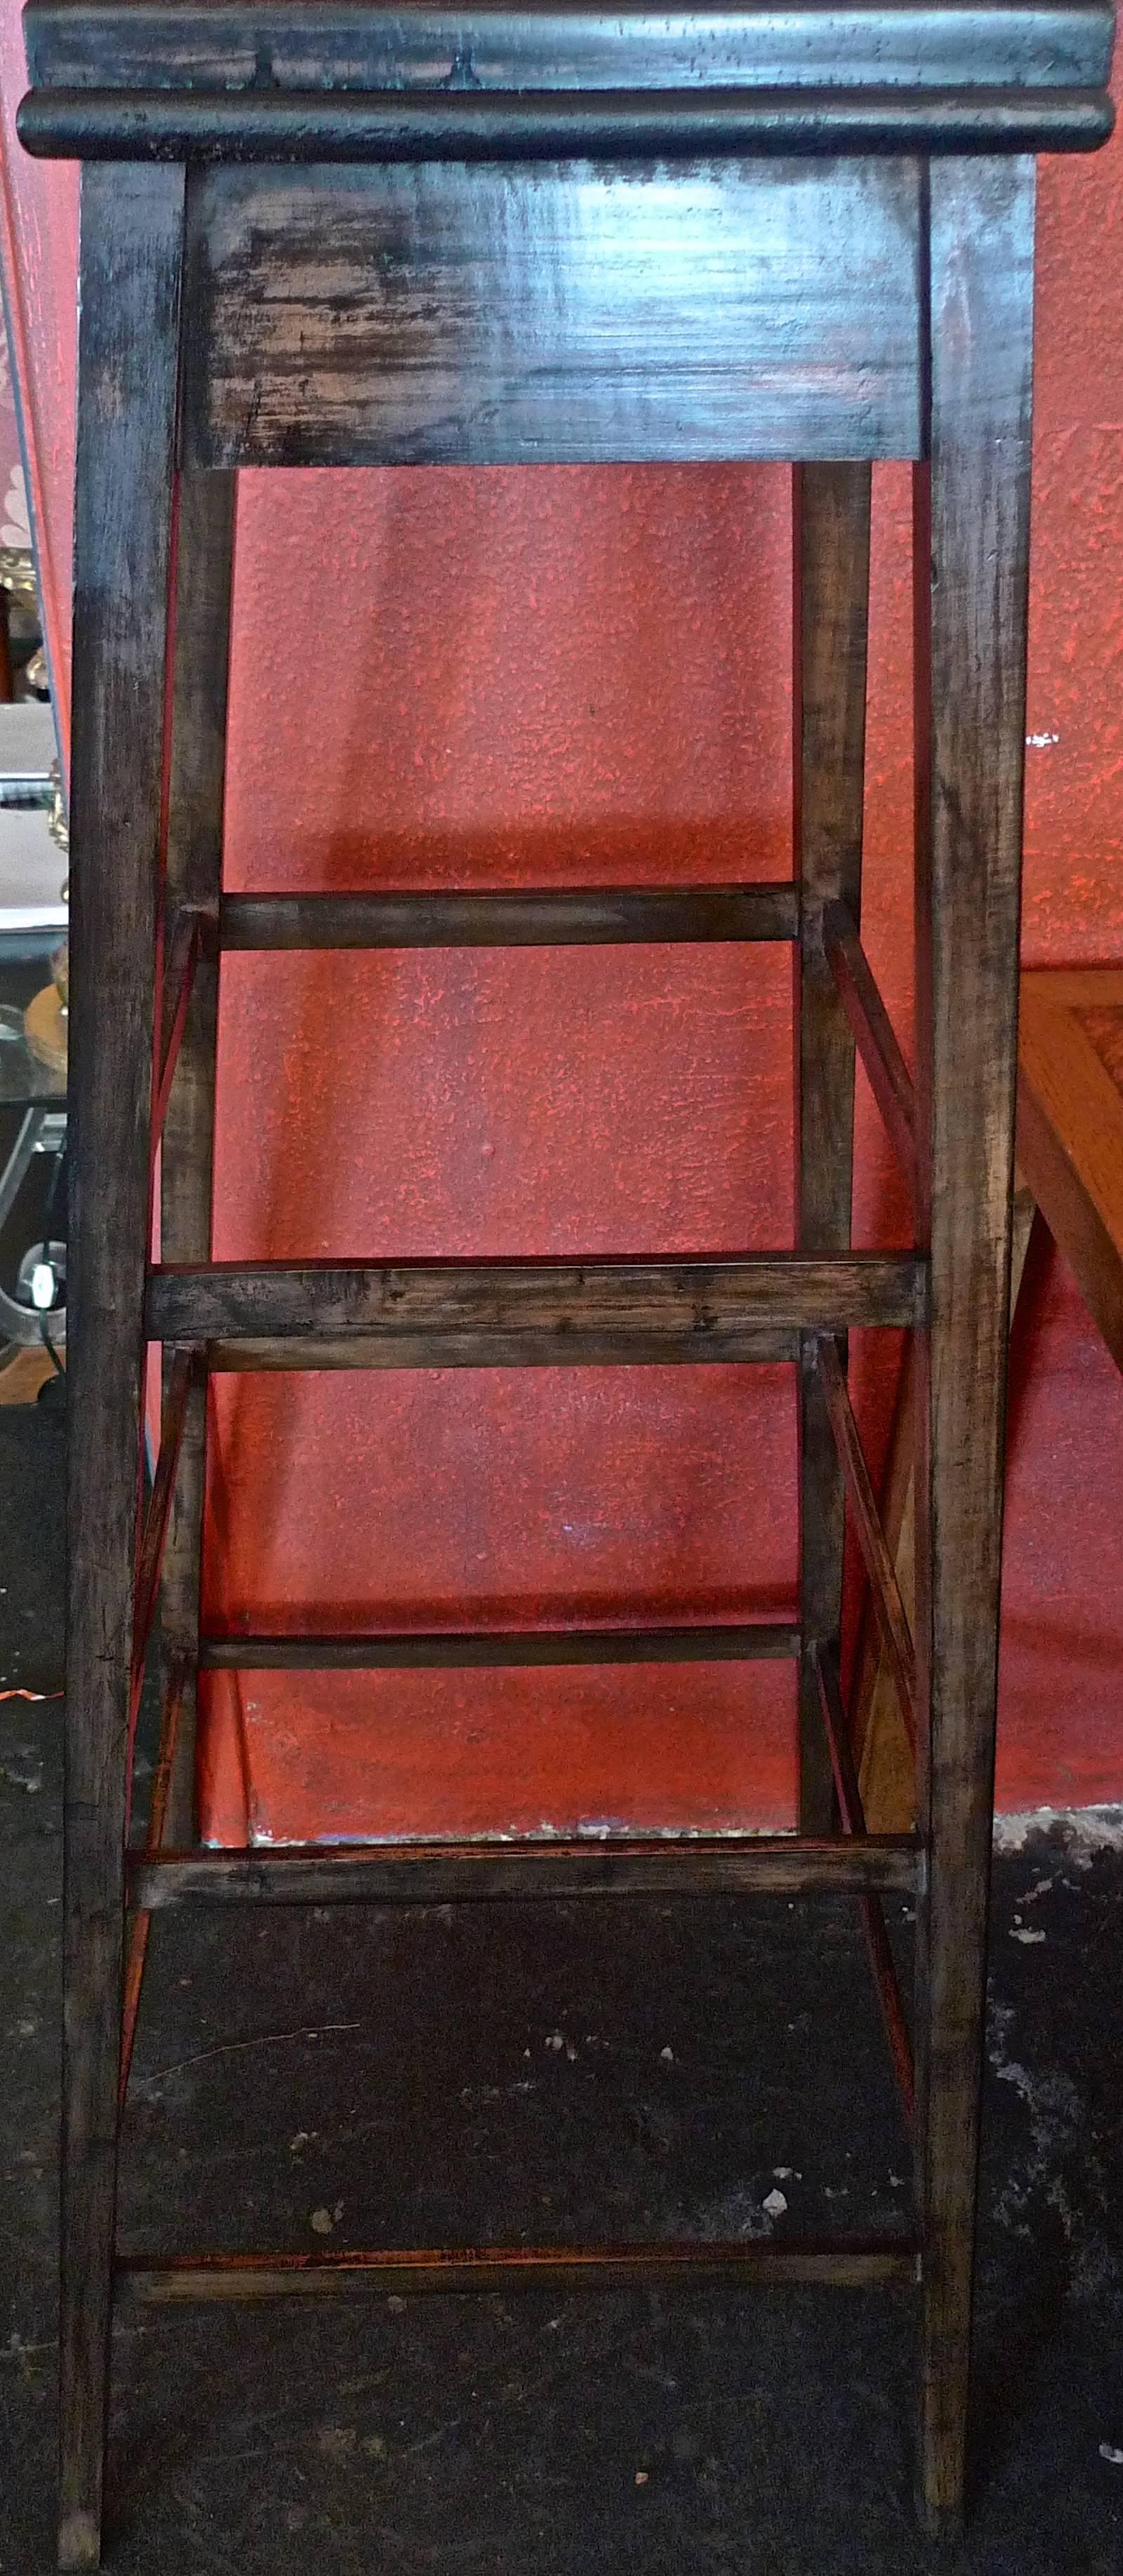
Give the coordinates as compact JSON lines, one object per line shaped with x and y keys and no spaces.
{"x":831,"y":550}
{"x":1070,"y":1134}
{"x":855,"y":2263}
{"x":291,"y":45}
{"x":887,"y":1769}
{"x":204,"y":572}
{"x":885,"y":1594}
{"x":561,"y":313}
{"x":593,"y":916}
{"x":883,"y":1966}
{"x":544,"y":1314}
{"x":441,"y":1873}
{"x":480,"y":237}
{"x":180,"y":959}
{"x":874,"y":1035}
{"x":666,"y":125}
{"x":971,"y":560}
{"x":482,"y":1649}
{"x":184,"y":1376}
{"x":159,"y":1811}
{"x":128,"y":355}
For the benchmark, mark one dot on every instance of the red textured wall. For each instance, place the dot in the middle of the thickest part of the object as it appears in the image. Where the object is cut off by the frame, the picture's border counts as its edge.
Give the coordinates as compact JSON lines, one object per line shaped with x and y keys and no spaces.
{"x":548,"y":677}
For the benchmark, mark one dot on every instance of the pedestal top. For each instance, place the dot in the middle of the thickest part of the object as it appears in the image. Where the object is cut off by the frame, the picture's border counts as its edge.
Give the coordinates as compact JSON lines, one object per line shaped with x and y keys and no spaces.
{"x":300,"y":79}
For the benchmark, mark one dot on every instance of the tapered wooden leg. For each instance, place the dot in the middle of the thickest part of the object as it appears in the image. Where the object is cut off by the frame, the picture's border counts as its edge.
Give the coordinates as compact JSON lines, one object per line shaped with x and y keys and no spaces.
{"x":831,"y":545}
{"x":971,"y":541}
{"x":132,"y":220}
{"x":204,"y":572}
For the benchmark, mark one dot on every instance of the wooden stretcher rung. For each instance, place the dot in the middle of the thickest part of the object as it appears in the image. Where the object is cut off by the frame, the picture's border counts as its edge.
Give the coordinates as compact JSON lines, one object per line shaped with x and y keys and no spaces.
{"x":148,"y":125}
{"x":560,"y":917}
{"x":438,"y":1873}
{"x":750,"y":1641}
{"x":861,"y":2262}
{"x":462,"y":1314}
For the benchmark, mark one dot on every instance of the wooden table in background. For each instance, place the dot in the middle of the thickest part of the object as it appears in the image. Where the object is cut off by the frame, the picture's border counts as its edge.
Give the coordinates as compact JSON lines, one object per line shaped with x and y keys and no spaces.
{"x":1070,"y":1161}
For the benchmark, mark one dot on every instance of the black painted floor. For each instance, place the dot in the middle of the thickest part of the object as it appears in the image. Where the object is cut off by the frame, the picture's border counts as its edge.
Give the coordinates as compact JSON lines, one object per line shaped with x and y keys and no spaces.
{"x":537,"y":2072}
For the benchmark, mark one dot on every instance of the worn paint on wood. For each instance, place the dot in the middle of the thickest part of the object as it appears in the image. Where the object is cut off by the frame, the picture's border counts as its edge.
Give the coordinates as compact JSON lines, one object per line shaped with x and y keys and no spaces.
{"x":557,"y":314}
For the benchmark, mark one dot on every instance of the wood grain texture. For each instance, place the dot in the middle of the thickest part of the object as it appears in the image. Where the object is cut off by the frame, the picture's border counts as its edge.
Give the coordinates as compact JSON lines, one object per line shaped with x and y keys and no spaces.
{"x":857,"y":2263}
{"x":627,"y":127}
{"x":884,"y":1589}
{"x":183,"y":1376}
{"x":163,"y":1779}
{"x":179,"y":958}
{"x":291,"y":45}
{"x":1070,"y":1139}
{"x":971,"y":562}
{"x":874,"y":1035}
{"x":483,"y":1649}
{"x":204,"y":576}
{"x":416,"y":1873}
{"x":590,"y":916}
{"x":887,"y":1770}
{"x":131,"y":244}
{"x":533,"y":1313}
{"x":562,"y":313}
{"x":883,"y":1966}
{"x":831,"y":543}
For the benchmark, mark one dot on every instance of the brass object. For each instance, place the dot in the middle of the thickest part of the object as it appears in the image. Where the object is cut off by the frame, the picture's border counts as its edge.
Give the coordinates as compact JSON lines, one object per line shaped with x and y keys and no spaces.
{"x":17,"y":573}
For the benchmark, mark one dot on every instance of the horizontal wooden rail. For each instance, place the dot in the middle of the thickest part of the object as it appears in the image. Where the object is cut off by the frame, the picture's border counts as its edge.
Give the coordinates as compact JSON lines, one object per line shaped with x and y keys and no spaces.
{"x":889,"y":1077}
{"x":434,"y":1314}
{"x":464,"y":125}
{"x":440,"y":1873}
{"x":854,"y":2263}
{"x":568,"y":917}
{"x":885,"y":1591}
{"x":438,"y":1649}
{"x":883,"y":1966}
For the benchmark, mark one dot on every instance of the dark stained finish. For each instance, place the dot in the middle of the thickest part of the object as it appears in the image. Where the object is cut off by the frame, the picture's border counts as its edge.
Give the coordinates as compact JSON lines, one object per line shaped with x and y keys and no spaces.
{"x":858,"y":2263}
{"x":971,"y":558}
{"x":830,"y":548}
{"x":419,"y":1873}
{"x":459,"y":127}
{"x":766,"y":1640}
{"x":883,"y":1966}
{"x":889,"y":1077}
{"x":885,"y":1591}
{"x":762,"y":1345}
{"x":886,"y":1767}
{"x":484,"y":1347}
{"x":180,"y":959}
{"x":1070,"y":1132}
{"x":131,"y":236}
{"x":552,"y":314}
{"x":553,"y":234}
{"x":158,"y":1813}
{"x":592,"y":916}
{"x":245,"y":46}
{"x":184,"y":1375}
{"x":204,"y":565}
{"x":480,"y":1314}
